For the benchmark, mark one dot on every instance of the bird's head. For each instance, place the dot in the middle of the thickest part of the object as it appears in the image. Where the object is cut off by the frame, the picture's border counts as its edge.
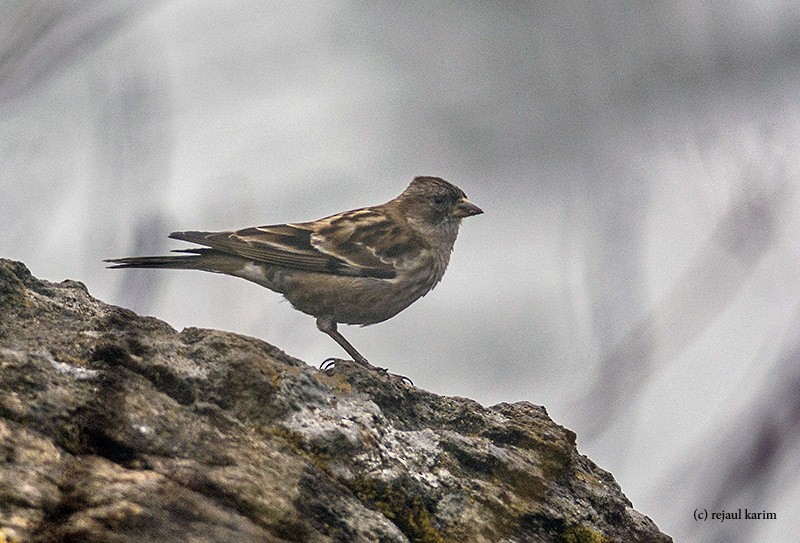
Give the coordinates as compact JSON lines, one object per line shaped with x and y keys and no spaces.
{"x":432,"y":201}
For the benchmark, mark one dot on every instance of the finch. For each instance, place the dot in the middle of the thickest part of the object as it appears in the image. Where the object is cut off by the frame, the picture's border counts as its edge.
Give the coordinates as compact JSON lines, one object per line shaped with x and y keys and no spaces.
{"x":357,"y":267}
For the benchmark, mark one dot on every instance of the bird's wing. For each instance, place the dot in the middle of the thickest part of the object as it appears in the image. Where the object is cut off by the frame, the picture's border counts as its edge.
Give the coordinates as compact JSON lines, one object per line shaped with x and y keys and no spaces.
{"x":343,"y":244}
{"x":370,"y":237}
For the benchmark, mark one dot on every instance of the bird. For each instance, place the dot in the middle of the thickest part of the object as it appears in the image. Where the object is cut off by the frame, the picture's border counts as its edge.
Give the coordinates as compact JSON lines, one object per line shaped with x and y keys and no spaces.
{"x":358,"y":267}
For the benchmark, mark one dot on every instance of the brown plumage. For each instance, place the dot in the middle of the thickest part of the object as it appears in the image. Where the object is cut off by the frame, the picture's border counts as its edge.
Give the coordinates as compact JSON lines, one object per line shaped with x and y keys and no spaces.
{"x":357,"y":267}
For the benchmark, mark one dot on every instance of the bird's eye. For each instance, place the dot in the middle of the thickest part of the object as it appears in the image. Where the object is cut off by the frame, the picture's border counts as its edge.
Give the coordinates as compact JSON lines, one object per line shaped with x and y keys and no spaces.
{"x":438,"y":200}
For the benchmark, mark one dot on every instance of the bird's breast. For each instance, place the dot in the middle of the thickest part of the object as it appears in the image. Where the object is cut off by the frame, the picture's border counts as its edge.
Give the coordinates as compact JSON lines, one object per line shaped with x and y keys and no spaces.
{"x":358,"y":300}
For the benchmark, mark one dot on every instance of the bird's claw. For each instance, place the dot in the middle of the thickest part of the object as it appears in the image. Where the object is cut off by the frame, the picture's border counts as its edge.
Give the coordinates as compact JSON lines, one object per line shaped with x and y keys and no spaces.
{"x":404,"y":379}
{"x":327,"y":364}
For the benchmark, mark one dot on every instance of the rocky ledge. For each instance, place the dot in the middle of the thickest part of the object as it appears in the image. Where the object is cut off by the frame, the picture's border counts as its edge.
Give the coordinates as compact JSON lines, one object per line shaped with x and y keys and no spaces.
{"x":117,"y":428}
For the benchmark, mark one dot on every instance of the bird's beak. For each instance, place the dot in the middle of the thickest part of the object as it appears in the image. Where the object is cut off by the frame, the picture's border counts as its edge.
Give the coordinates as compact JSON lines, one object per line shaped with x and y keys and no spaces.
{"x":465,"y":208}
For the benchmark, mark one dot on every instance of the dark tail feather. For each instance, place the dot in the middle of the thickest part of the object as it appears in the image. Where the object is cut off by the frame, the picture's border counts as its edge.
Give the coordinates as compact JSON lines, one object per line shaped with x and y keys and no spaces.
{"x":191,"y":261}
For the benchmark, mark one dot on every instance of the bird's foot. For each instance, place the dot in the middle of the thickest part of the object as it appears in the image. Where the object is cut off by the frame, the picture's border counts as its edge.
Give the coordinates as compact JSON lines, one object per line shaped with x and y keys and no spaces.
{"x":330,"y":364}
{"x":363,"y":361}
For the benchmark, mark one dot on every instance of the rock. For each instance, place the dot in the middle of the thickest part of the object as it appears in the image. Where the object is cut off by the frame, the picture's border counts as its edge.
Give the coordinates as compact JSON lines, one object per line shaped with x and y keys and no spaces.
{"x":117,"y":428}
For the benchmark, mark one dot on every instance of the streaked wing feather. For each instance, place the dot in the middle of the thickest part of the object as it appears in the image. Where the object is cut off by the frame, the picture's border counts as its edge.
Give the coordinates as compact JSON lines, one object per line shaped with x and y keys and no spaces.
{"x":287,"y":245}
{"x":368,"y":238}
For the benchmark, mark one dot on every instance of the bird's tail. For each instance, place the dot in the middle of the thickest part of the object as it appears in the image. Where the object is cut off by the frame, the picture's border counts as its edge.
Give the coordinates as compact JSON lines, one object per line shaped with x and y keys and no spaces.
{"x":195,"y":260}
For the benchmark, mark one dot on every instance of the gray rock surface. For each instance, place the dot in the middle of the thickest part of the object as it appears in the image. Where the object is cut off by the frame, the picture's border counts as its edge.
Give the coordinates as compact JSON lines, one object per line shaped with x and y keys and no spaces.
{"x":117,"y":428}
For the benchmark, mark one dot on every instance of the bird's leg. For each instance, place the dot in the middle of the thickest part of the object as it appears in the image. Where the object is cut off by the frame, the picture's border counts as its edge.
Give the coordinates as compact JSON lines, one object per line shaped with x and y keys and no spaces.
{"x":328,"y":325}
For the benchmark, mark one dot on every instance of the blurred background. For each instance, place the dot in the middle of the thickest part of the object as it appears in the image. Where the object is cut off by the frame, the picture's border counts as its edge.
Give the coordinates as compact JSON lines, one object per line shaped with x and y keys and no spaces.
{"x":637,"y":268}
